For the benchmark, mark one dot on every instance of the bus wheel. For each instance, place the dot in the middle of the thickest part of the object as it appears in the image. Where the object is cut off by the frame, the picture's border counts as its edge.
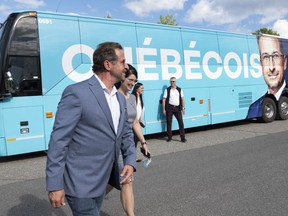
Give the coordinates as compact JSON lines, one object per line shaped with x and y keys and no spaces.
{"x":283,"y":108}
{"x":268,"y":110}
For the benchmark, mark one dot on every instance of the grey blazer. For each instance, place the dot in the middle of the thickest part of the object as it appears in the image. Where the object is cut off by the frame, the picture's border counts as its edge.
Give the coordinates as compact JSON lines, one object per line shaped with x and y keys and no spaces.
{"x":84,"y":149}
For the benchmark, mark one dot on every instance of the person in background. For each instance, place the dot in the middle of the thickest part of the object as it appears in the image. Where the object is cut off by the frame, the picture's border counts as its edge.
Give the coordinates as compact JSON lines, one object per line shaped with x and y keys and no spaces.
{"x":137,"y":92}
{"x":124,"y":87}
{"x":173,"y":104}
{"x":91,"y":126}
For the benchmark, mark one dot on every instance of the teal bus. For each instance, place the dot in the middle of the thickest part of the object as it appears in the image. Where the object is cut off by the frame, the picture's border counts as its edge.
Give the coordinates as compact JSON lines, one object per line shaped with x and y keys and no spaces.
{"x":41,"y":53}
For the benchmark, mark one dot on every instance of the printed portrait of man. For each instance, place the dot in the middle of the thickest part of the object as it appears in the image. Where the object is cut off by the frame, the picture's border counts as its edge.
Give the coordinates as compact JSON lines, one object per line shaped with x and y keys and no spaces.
{"x":273,"y":63}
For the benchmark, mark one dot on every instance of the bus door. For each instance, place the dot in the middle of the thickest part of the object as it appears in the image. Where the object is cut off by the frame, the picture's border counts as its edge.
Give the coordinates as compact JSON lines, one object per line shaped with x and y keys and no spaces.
{"x":23,"y":126}
{"x":21,"y":111}
{"x":222,"y":104}
{"x":196,"y":107}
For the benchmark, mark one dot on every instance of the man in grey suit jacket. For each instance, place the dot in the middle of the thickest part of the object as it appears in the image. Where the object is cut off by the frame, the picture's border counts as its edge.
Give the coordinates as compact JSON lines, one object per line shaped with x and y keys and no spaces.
{"x":91,"y":127}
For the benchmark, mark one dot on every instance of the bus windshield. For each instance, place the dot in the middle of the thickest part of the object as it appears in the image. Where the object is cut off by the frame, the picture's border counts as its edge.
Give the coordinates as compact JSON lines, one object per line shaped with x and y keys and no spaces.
{"x":2,"y":48}
{"x":20,"y":71}
{"x":2,"y":26}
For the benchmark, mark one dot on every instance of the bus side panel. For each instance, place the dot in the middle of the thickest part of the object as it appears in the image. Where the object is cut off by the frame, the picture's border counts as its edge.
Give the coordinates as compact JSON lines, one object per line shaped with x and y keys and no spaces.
{"x":96,"y":31}
{"x":246,"y":96}
{"x":235,"y":50}
{"x":197,"y":44}
{"x":50,"y":103}
{"x":222,"y":104}
{"x":24,"y":131}
{"x":57,"y":34}
{"x":3,"y":150}
{"x":196,"y":107}
{"x":159,"y":56}
{"x":153,"y":116}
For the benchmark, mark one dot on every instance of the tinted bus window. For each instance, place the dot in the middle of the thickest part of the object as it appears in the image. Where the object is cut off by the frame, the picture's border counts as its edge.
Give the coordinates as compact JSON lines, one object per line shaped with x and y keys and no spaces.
{"x":23,"y":58}
{"x":2,"y":27}
{"x":25,"y":38}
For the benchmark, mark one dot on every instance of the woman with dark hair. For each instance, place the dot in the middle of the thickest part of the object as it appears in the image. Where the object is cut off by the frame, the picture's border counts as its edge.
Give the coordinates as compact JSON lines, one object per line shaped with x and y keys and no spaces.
{"x":138,"y":91}
{"x":124,"y":87}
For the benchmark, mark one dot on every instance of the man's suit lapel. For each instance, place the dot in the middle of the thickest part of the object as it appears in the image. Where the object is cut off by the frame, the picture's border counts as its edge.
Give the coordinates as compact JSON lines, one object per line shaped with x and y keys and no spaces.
{"x":101,"y":99}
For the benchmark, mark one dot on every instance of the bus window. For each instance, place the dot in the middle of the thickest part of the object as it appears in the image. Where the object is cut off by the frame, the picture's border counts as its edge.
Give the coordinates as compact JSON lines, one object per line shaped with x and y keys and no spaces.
{"x":2,"y":27}
{"x":23,"y":58}
{"x":25,"y":38}
{"x":25,"y":74}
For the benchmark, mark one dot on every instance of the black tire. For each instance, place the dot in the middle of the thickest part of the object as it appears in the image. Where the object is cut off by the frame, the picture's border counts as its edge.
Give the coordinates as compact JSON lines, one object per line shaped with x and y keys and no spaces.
{"x":268,"y":110}
{"x":282,"y":111}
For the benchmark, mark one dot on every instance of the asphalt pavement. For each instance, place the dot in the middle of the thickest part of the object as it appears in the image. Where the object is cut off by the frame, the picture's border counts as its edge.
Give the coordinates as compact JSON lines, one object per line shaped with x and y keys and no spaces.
{"x":228,"y":169}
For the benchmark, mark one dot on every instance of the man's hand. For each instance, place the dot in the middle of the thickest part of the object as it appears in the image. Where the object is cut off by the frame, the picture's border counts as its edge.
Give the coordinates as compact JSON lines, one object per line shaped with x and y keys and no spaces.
{"x":126,"y":175}
{"x":57,"y":198}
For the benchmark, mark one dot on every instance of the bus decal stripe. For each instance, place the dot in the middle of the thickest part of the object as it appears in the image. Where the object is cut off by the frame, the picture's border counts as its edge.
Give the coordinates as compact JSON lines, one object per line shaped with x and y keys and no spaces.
{"x":24,"y":138}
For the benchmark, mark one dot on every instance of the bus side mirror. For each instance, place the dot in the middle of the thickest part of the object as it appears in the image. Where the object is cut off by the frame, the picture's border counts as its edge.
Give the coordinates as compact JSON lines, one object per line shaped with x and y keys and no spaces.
{"x":9,"y":83}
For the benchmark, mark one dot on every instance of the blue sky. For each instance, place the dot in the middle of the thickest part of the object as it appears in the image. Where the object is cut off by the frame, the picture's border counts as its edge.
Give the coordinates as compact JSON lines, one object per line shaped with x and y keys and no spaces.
{"x":243,"y":16}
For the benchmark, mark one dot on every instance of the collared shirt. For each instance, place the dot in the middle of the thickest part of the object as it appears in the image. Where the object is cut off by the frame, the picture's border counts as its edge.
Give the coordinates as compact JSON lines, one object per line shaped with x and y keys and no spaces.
{"x":174,"y":96}
{"x":113,"y":103}
{"x":278,"y":94}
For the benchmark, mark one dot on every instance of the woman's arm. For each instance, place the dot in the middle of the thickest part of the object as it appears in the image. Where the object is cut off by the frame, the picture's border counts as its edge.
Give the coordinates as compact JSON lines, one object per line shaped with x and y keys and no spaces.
{"x":138,"y":131}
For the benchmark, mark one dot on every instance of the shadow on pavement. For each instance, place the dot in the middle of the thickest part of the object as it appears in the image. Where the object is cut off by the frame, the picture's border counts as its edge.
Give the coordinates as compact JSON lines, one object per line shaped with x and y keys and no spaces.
{"x":33,"y":206}
{"x":4,"y":159}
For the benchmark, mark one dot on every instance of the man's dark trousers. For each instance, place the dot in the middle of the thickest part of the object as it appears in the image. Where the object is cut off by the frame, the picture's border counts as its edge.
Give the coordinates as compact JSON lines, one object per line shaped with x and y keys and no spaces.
{"x":170,"y":111}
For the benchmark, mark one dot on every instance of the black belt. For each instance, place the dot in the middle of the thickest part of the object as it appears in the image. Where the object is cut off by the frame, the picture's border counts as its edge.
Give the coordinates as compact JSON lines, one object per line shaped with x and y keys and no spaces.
{"x":173,"y":105}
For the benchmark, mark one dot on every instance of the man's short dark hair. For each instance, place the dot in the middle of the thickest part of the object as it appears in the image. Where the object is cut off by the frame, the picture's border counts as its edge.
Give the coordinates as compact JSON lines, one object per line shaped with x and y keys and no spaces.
{"x":104,"y":51}
{"x":269,"y":37}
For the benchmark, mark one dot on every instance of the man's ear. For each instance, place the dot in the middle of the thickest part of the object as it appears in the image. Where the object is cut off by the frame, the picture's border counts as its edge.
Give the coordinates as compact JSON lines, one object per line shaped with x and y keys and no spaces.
{"x":107,"y":65}
{"x":285,"y":62}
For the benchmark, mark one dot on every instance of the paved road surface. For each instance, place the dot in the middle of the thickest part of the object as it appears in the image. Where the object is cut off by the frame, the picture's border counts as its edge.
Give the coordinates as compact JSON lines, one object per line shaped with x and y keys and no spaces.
{"x":230,"y":169}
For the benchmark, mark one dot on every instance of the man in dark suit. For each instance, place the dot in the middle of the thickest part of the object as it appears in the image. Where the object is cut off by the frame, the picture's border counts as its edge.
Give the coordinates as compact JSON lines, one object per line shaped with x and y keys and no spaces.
{"x":91,"y":127}
{"x":273,"y":63}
